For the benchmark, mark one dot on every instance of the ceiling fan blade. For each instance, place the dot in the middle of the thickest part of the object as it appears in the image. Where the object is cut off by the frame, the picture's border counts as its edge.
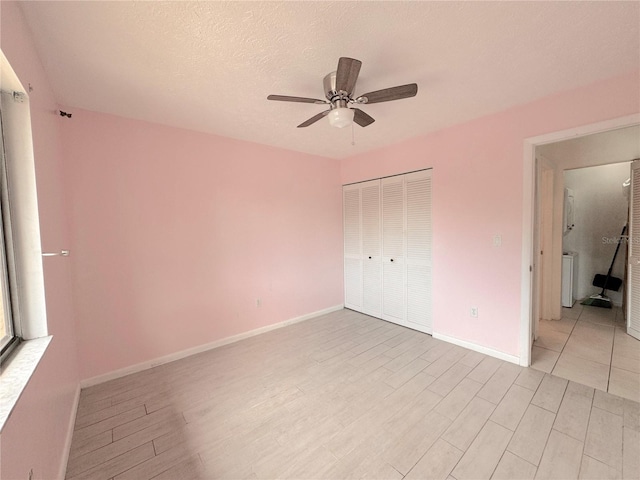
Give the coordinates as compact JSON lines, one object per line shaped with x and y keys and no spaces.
{"x":285,"y":98}
{"x":362,"y":118}
{"x":388,"y":94}
{"x":314,"y":119}
{"x":347,"y":74}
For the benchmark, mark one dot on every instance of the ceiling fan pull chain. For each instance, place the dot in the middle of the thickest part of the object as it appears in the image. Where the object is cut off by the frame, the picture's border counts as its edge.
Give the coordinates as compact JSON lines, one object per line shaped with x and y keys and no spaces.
{"x":353,"y":139}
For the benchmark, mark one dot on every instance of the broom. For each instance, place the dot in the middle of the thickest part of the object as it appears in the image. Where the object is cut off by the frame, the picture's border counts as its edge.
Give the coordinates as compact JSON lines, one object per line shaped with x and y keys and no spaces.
{"x":606,"y":282}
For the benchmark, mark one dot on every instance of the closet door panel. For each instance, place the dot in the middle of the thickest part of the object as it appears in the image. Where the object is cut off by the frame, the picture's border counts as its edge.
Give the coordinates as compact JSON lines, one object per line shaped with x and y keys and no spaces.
{"x":419,"y":296}
{"x":371,"y":241}
{"x":352,"y":247}
{"x":393,"y":248}
{"x":418,"y":252}
{"x":419,"y":228}
{"x":393,"y":307}
{"x":372,"y":287}
{"x":353,"y":283}
{"x":371,"y":248}
{"x":393,"y":217}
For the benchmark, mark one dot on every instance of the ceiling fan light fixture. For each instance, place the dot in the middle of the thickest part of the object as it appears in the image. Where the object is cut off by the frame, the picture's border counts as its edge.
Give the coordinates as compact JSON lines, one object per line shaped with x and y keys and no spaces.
{"x":340,"y":117}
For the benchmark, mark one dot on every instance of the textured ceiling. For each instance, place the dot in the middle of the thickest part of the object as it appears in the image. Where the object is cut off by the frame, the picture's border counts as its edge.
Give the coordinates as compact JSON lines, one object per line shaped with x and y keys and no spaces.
{"x":209,"y":66}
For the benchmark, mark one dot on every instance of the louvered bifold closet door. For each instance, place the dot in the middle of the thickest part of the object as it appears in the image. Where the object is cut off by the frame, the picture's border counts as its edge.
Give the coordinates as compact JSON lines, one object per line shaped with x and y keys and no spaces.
{"x":418,"y":253}
{"x":371,"y":248}
{"x":393,"y":247}
{"x":352,"y":247}
{"x":633,"y":288}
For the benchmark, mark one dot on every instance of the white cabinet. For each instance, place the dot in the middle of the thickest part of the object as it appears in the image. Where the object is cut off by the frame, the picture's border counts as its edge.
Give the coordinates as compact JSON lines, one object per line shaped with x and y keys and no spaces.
{"x":388,"y":237}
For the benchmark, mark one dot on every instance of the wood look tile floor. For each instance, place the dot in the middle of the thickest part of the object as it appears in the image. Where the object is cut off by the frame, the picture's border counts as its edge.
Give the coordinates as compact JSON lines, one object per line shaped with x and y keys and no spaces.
{"x":349,"y":396}
{"x":590,"y":345}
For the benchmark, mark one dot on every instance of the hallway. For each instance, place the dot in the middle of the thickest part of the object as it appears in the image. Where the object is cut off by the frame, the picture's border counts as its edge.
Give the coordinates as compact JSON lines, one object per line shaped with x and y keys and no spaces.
{"x":589,"y":345}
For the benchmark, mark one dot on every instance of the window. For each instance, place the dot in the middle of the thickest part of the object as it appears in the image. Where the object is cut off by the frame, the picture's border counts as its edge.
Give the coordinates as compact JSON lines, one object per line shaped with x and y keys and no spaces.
{"x":21,"y":274}
{"x":8,"y":332}
{"x":24,"y":317}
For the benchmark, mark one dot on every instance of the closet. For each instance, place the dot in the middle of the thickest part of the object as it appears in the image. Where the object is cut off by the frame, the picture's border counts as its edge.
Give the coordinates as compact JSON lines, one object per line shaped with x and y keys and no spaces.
{"x":387,"y":248}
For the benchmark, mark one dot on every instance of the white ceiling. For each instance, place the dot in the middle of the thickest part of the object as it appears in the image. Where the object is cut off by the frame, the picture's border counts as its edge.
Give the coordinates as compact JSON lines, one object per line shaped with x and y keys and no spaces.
{"x":209,"y":66}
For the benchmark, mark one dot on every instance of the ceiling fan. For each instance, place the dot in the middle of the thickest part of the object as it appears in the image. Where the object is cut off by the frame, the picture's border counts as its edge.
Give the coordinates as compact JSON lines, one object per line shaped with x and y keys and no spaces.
{"x":339,"y":89}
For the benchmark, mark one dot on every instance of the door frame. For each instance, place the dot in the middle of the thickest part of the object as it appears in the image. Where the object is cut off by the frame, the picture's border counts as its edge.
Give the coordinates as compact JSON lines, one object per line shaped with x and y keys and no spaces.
{"x":545,"y":206}
{"x":543,"y":241}
{"x":632,"y":330}
{"x":529,"y":276}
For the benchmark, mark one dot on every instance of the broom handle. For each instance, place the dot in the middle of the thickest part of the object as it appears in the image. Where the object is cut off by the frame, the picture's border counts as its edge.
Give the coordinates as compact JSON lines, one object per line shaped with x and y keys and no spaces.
{"x":624,"y":229}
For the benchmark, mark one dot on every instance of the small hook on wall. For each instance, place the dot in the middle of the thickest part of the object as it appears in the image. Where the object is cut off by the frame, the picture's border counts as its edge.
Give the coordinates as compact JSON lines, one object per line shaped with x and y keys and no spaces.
{"x":65,"y":114}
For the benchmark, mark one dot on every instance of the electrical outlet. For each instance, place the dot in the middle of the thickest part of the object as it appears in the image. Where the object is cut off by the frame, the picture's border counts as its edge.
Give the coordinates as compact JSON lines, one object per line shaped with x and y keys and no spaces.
{"x":258,"y":303}
{"x":497,"y":240}
{"x":474,"y":312}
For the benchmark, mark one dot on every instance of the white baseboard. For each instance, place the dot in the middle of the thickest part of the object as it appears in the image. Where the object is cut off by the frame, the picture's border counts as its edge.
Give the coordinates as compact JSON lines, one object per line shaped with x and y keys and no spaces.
{"x":201,"y":348}
{"x":67,"y":442}
{"x":478,"y":348}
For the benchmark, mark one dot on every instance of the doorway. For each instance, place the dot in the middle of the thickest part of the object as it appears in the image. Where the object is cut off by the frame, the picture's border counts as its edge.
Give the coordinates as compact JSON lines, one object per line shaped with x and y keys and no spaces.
{"x":579,"y":332}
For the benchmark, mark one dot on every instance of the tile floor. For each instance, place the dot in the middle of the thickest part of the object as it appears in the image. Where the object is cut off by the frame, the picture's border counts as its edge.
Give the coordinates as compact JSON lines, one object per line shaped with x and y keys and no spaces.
{"x":349,"y":396}
{"x":589,"y":345}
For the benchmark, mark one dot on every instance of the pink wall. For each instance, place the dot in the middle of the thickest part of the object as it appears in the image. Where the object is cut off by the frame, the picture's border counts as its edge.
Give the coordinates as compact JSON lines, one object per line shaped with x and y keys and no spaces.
{"x":176,"y":234}
{"x":477,"y":192}
{"x":35,"y":435}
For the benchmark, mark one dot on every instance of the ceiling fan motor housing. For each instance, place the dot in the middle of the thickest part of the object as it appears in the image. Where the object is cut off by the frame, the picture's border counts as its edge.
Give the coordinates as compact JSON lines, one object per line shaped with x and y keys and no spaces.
{"x":338,"y":99}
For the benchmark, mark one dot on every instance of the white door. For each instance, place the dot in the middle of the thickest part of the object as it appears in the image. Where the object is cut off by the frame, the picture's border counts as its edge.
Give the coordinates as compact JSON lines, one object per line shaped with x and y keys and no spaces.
{"x":371,"y":248}
{"x":352,"y":247}
{"x":633,"y":288}
{"x":393,"y":221}
{"x":418,"y":253}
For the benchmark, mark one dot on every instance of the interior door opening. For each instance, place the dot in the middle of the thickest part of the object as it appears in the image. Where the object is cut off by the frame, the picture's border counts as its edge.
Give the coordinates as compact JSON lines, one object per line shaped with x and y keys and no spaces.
{"x":580,"y":207}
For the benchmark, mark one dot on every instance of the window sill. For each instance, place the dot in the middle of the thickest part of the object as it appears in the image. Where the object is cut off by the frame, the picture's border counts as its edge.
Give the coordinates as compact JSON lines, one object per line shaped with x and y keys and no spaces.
{"x":15,"y":376}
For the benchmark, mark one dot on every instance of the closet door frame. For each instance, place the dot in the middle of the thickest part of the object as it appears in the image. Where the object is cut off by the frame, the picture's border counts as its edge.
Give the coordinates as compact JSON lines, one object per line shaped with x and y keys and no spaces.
{"x":400,"y":257}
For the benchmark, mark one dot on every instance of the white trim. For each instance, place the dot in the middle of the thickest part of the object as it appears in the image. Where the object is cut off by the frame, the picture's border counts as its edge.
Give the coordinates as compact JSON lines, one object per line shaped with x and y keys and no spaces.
{"x":528,"y":227}
{"x":530,"y":145}
{"x":478,"y":348}
{"x":201,"y":348}
{"x":67,"y":443}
